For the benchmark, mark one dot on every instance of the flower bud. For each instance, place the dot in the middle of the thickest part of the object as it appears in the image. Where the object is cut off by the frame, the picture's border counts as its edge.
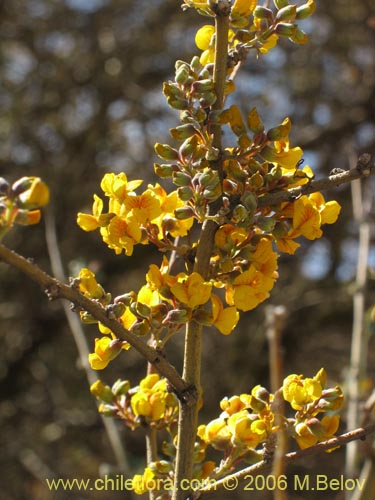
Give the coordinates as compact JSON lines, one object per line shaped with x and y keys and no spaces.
{"x":140,"y":328}
{"x":126,"y":298}
{"x":182,"y":73}
{"x":286,"y":29}
{"x":305,"y":10}
{"x":182,"y":132}
{"x":208,"y":99}
{"x":287,"y":13}
{"x":36,"y":195}
{"x":121,"y":387}
{"x":250,"y":201}
{"x":189,"y":146}
{"x":181,"y":179}
{"x":163,"y":171}
{"x":165,"y":151}
{"x":143,"y":310}
{"x":185,"y":193}
{"x":202,"y":86}
{"x":239,"y":214}
{"x":108,"y":410}
{"x":183,"y":213}
{"x":115,"y":311}
{"x":202,"y":316}
{"x":27,"y":217}
{"x":102,"y":392}
{"x":280,"y":4}
{"x":177,"y":316}
{"x":263,"y":13}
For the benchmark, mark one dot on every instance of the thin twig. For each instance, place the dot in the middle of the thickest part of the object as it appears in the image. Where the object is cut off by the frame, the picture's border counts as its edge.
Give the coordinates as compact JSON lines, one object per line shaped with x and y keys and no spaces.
{"x":55,"y":289}
{"x":275,"y":323}
{"x":363,"y":169}
{"x":240,"y":478}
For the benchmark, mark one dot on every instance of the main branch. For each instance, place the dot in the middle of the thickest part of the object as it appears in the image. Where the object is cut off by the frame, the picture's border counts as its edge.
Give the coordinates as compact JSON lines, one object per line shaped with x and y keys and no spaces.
{"x":188,"y":417}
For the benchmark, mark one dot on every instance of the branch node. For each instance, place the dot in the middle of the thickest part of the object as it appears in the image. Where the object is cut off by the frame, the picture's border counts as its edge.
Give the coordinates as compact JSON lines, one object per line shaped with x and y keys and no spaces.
{"x":52,"y":291}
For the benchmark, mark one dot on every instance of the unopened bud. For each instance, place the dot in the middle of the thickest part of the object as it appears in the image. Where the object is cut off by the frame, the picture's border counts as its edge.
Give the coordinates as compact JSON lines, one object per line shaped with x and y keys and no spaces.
{"x":108,"y":410}
{"x":126,"y":298}
{"x":202,"y":86}
{"x":280,"y":4}
{"x":102,"y":392}
{"x":185,"y":193}
{"x":177,"y":316}
{"x":165,"y":151}
{"x":183,"y":213}
{"x":121,"y":387}
{"x":263,"y":13}
{"x":140,"y":328}
{"x":181,"y":179}
{"x":37,"y":194}
{"x":286,"y":29}
{"x":305,"y":10}
{"x":287,"y":13}
{"x":163,"y":171}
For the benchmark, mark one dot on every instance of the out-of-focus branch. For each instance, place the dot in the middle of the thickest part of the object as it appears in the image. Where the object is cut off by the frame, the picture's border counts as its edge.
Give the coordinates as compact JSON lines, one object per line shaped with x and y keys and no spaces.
{"x":358,"y":352}
{"x":242,"y":477}
{"x":56,"y":289}
{"x":79,"y":337}
{"x":275,"y":323}
{"x":363,"y":169}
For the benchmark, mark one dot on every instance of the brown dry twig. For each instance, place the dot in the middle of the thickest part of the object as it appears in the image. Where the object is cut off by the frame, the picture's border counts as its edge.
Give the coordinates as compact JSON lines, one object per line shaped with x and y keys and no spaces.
{"x":241,"y":477}
{"x":55,"y":289}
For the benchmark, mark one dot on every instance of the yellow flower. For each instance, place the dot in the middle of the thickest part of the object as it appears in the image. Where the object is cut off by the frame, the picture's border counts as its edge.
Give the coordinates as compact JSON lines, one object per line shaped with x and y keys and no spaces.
{"x":151,"y":398}
{"x":215,"y":433}
{"x":329,"y":211}
{"x":232,"y":405}
{"x":306,"y":219}
{"x":121,"y":234}
{"x":314,"y":431}
{"x":37,"y":194}
{"x":142,"y":208}
{"x":191,"y":290}
{"x":224,"y":319}
{"x":229,"y":236}
{"x":168,"y":204}
{"x":299,"y":391}
{"x":106,"y":349}
{"x":88,"y":284}
{"x":117,"y":186}
{"x":89,"y":222}
{"x":269,"y":44}
{"x":282,"y":154}
{"x":243,"y":8}
{"x":245,"y":430}
{"x":204,"y":41}
{"x":141,"y":483}
{"x":249,"y":289}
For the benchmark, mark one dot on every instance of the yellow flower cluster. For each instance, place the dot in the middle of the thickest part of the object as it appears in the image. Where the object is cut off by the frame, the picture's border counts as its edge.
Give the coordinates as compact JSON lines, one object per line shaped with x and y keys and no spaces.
{"x":133,"y":218}
{"x":20,"y":202}
{"x":245,"y":422}
{"x":310,"y":398}
{"x":150,"y":403}
{"x":304,"y":217}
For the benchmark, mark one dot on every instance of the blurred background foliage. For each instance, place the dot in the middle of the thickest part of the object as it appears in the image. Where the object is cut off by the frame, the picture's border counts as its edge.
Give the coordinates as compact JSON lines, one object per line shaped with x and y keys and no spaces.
{"x":80,"y":95}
